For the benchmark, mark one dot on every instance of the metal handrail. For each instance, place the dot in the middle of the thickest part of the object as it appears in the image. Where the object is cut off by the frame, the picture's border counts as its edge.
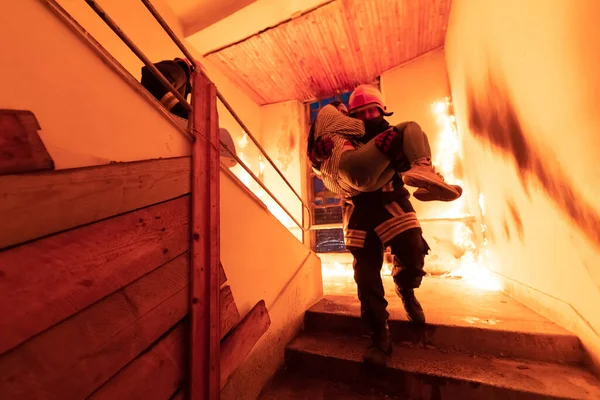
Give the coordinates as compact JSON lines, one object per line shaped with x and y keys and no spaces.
{"x":262,"y":185}
{"x":136,"y":50}
{"x":257,"y":179}
{"x":220,"y":96}
{"x":170,"y":32}
{"x":262,"y":150}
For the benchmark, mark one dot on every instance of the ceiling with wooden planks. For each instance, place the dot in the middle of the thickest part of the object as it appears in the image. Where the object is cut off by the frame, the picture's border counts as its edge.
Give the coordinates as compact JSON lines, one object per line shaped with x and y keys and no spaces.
{"x":333,"y":48}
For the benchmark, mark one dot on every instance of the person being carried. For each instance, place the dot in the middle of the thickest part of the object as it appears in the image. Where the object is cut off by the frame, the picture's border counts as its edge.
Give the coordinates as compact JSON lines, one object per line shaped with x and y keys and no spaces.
{"x":411,"y":146}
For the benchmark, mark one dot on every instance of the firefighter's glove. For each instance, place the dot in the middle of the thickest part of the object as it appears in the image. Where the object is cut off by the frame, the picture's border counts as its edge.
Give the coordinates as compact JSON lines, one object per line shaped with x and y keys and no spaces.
{"x":390,"y":143}
{"x":322,"y":151}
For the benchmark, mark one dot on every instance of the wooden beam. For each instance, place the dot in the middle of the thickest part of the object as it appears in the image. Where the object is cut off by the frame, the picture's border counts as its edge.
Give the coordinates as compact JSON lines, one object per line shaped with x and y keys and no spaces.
{"x":75,"y":197}
{"x":21,"y":148}
{"x":230,"y":315}
{"x":242,"y":339}
{"x":204,"y":336}
{"x":74,"y":358}
{"x":155,"y":375}
{"x":46,"y":281}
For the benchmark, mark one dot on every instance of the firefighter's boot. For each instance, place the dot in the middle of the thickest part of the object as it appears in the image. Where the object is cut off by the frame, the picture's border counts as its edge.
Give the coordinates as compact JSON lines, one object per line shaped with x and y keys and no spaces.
{"x":412,"y":306}
{"x":381,"y":346}
{"x":422,"y":174}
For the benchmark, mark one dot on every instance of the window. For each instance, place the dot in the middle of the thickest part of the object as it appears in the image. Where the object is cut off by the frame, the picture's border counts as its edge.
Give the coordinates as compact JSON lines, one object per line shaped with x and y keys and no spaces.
{"x":314,"y":107}
{"x":325,"y":205}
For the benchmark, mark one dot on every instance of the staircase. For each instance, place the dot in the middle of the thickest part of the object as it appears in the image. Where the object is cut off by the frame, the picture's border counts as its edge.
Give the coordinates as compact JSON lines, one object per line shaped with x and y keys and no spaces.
{"x":477,"y":345}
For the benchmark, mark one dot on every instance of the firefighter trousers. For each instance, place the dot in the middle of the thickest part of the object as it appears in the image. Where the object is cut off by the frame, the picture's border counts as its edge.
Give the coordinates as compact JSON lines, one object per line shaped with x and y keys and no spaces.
{"x":368,"y":231}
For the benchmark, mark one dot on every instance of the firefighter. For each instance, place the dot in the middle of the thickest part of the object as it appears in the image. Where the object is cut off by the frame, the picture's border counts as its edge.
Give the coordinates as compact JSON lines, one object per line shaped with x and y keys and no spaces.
{"x":377,"y":210}
{"x":414,"y":153}
{"x":178,"y":73}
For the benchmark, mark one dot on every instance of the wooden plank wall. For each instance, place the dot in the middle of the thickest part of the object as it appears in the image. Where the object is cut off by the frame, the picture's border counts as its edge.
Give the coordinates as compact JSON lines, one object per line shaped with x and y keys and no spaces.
{"x":71,"y":198}
{"x":95,"y":283}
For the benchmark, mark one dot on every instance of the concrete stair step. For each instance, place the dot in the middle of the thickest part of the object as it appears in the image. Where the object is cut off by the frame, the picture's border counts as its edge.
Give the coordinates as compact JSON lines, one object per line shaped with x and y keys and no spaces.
{"x":291,"y":386}
{"x":533,"y":339}
{"x":421,"y":373}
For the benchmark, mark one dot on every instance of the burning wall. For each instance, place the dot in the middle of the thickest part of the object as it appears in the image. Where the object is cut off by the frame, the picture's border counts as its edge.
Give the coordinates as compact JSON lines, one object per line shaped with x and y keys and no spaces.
{"x":419,"y":91}
{"x":526,"y":91}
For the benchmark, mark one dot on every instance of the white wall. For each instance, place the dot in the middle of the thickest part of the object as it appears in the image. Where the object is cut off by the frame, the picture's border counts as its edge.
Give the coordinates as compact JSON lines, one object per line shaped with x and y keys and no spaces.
{"x":257,"y":265}
{"x":88,"y":113}
{"x":263,"y":260}
{"x":280,"y":120}
{"x":525,"y":81}
{"x":137,"y":23}
{"x":140,"y":26}
{"x":283,"y":136}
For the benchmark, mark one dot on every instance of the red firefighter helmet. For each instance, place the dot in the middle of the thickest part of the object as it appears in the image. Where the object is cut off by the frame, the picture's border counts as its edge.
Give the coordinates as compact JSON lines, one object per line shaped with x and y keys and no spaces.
{"x":365,"y":96}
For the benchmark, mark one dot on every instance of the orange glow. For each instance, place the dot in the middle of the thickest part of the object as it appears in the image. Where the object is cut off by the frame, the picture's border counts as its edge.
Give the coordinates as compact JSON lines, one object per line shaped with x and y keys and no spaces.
{"x":472,"y":267}
{"x":337,"y":269}
{"x":447,"y":155}
{"x":258,"y":168}
{"x":482,"y":204}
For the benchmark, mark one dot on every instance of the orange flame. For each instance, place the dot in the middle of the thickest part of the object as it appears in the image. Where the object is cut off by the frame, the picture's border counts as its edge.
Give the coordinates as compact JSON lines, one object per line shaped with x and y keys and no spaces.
{"x":336,"y":269}
{"x":473,"y":267}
